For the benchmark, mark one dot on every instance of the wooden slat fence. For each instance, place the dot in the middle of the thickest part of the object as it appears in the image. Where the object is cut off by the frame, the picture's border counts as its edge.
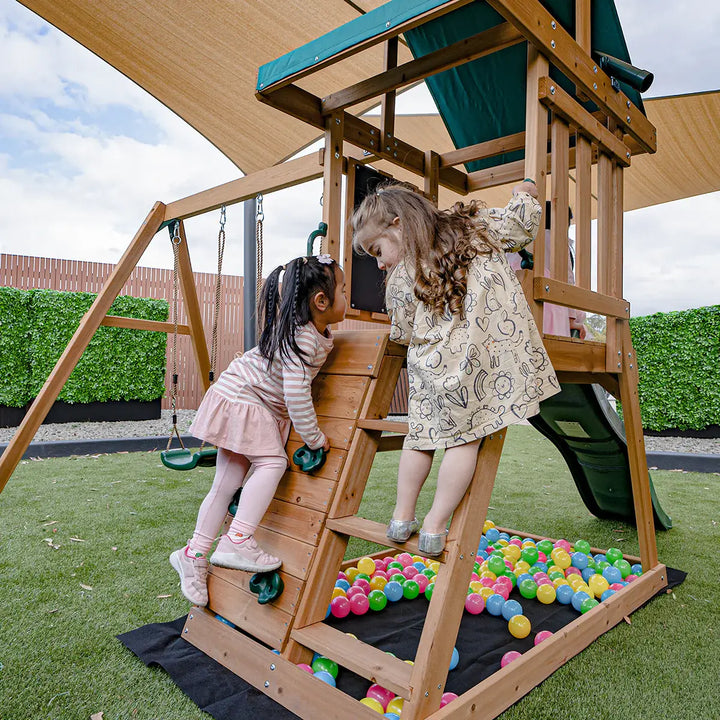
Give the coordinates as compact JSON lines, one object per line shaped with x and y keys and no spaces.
{"x":26,"y":272}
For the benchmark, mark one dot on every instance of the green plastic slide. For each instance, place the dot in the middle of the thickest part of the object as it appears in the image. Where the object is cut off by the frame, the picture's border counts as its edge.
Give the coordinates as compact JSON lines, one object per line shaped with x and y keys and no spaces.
{"x":590,"y":435}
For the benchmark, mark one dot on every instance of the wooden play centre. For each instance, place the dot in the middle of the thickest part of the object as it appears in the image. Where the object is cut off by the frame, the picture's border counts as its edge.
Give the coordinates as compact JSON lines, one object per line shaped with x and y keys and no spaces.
{"x":525,"y":89}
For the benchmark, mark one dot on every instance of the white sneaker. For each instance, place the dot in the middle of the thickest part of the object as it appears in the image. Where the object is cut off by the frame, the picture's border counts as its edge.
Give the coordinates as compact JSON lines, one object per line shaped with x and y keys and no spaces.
{"x":193,"y":576}
{"x":243,"y":555}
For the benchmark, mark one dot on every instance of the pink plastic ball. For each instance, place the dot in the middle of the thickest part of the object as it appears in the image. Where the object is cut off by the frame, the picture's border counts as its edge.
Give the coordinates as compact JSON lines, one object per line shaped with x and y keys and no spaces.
{"x":631,"y":578}
{"x":354,"y":590}
{"x":542,"y":635}
{"x":487,"y":582}
{"x":474,"y":577}
{"x":572,"y":570}
{"x":542,"y":557}
{"x":474,"y":603}
{"x":410,"y":572}
{"x":616,"y":586}
{"x":564,"y":544}
{"x":342,"y":576}
{"x":509,"y":656}
{"x":516,"y":541}
{"x":359,"y":604}
{"x":380,"y":564}
{"x":501,"y":589}
{"x":363,"y":584}
{"x":422,"y":581}
{"x":340,"y":608}
{"x":446,"y":698}
{"x":381,"y":574}
{"x":381,"y":694}
{"x":504,"y":580}
{"x":305,"y":667}
{"x":405,"y":559}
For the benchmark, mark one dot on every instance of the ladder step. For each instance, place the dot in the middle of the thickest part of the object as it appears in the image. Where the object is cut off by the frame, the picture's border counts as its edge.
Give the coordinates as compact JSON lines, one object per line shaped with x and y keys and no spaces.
{"x":359,"y":527}
{"x":359,"y":657}
{"x":385,"y":425}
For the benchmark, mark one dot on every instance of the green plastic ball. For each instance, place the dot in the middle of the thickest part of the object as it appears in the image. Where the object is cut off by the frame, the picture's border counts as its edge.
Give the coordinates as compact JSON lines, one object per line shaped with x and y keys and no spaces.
{"x":613,"y":554}
{"x":322,"y":663}
{"x":496,"y":565}
{"x":588,"y":604}
{"x":410,"y":590}
{"x":528,"y":588}
{"x":582,"y":546}
{"x":377,"y":600}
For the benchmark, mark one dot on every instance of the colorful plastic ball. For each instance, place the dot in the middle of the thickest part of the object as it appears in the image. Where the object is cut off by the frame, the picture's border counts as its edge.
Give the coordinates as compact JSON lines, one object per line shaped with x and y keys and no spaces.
{"x":422,"y":582}
{"x":588,"y":604}
{"x":546,"y":594}
{"x":486,"y":592}
{"x":598,"y":584}
{"x":577,"y":599}
{"x":378,"y":581}
{"x":373,"y":704}
{"x":501,"y":589}
{"x":582,"y":546}
{"x":391,"y":716}
{"x":396,"y":705}
{"x":612,"y":574}
{"x":607,"y":594}
{"x":337,"y":592}
{"x":506,"y":581}
{"x":410,"y":572}
{"x":398,"y":577}
{"x":587,"y":573}
{"x":617,"y":586}
{"x":508,"y":657}
{"x":519,"y":626}
{"x":492,"y":534}
{"x":613,"y":554}
{"x":494,"y":604}
{"x":393,"y":591}
{"x":542,"y":635}
{"x":528,"y":588}
{"x":411,"y":590}
{"x":579,"y":560}
{"x":404,"y":559}
{"x":564,"y":594}
{"x":447,"y":697}
{"x":326,"y":664}
{"x":511,"y":608}
{"x":381,"y":694}
{"x":600,"y":557}
{"x":530,"y":555}
{"x":474,"y":603}
{"x":351,"y":573}
{"x":454,"y":659}
{"x":340,"y":607}
{"x":393,"y":565}
{"x":366,"y":565}
{"x":343,"y":584}
{"x":624,"y":567}
{"x":305,"y":667}
{"x":631,"y":578}
{"x":363,"y":584}
{"x":545,"y":546}
{"x":429,"y":591}
{"x":496,"y":564}
{"x":377,"y":600}
{"x":326,"y":677}
{"x":359,"y":604}
{"x":561,"y":558}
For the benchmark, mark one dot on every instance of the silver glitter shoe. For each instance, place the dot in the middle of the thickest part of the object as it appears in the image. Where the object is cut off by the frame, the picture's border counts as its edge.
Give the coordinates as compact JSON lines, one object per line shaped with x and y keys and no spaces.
{"x":431,"y":544}
{"x":401,"y":530}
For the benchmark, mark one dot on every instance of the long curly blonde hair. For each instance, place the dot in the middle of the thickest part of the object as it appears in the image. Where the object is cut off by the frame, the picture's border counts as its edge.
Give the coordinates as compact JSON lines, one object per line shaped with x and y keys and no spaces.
{"x":437,"y":246}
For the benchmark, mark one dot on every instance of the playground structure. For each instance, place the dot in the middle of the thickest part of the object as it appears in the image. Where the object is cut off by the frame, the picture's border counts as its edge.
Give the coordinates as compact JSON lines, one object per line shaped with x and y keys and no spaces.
{"x":312,"y":517}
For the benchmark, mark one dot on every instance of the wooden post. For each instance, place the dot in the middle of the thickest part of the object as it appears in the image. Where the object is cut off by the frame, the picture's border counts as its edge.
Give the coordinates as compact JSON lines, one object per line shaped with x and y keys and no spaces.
{"x":536,"y":157}
{"x":605,"y":226}
{"x":332,"y":185}
{"x":560,"y":157}
{"x":192,"y":309}
{"x":387,"y":108}
{"x":583,"y":212}
{"x":90,"y":322}
{"x":432,"y":175}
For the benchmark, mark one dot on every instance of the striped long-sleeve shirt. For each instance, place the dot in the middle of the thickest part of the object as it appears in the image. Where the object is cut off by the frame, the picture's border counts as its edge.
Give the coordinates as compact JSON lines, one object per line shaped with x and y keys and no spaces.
{"x":283,"y":388}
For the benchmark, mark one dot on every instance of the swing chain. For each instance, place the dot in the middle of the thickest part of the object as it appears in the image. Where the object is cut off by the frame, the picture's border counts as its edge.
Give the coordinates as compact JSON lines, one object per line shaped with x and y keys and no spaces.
{"x":175,"y":241}
{"x":218,"y":292}
{"x":260,"y":217}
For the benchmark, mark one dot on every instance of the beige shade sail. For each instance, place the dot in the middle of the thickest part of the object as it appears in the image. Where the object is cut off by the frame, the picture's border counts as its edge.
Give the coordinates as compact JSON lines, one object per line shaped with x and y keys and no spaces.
{"x":200,"y":59}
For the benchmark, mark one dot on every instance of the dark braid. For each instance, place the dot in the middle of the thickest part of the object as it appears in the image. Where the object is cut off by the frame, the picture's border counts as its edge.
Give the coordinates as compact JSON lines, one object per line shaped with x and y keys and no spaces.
{"x":289,"y":309}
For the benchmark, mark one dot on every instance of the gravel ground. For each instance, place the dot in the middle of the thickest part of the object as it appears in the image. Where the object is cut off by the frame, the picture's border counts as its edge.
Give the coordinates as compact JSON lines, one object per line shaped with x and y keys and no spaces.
{"x":163,"y":426}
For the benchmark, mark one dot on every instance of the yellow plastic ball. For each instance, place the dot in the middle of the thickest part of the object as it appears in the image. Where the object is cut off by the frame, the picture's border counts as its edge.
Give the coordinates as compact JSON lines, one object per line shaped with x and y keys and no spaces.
{"x":546,"y":594}
{"x":417,"y":558}
{"x":561,"y":558}
{"x":503,"y":542}
{"x":395,"y":705}
{"x":476,"y":586}
{"x":488,"y":524}
{"x":378,"y":583}
{"x":519,"y":626}
{"x":486,"y":592}
{"x":512,"y":552}
{"x":338,"y":592}
{"x":560,"y":581}
{"x":351,"y":573}
{"x":598,"y":584}
{"x":521,"y":566}
{"x":574,"y":581}
{"x":434,"y":566}
{"x":373,"y":704}
{"x":488,"y":574}
{"x":366,"y":565}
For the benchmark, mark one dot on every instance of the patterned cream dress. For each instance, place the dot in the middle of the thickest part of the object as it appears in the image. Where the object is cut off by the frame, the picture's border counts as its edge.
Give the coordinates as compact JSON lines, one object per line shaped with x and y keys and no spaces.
{"x":470,"y":376}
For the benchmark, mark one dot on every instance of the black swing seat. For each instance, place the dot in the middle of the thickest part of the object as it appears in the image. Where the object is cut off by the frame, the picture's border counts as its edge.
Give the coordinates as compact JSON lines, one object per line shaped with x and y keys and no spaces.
{"x":184,"y":459}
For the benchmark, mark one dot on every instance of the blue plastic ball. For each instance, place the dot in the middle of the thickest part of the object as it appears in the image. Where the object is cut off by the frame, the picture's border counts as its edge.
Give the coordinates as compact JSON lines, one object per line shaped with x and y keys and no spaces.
{"x":524,"y":576}
{"x":420,"y":566}
{"x":587,"y":573}
{"x":455,"y":659}
{"x":325,"y":676}
{"x":580,"y":560}
{"x":492,"y":535}
{"x":578,"y":598}
{"x":636,"y":569}
{"x":511,"y":608}
{"x":392,"y":716}
{"x":600,"y":557}
{"x":564,"y":594}
{"x":504,"y":536}
{"x":612,"y":574}
{"x":606,"y":594}
{"x":483,"y":543}
{"x":494,"y":605}
{"x":344,"y":584}
{"x":393,"y":591}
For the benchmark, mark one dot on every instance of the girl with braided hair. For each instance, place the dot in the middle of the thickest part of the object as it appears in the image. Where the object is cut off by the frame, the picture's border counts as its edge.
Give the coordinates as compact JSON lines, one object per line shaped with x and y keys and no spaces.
{"x":247,"y":414}
{"x":475,"y":360}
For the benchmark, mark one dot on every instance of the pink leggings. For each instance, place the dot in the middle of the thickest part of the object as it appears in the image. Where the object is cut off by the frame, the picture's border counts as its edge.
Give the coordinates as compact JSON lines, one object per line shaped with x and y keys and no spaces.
{"x":255,"y":498}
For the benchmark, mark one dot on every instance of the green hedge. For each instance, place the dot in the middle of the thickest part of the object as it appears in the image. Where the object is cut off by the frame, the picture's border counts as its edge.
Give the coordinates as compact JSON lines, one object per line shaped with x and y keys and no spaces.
{"x":679,"y":365}
{"x":118,"y":364}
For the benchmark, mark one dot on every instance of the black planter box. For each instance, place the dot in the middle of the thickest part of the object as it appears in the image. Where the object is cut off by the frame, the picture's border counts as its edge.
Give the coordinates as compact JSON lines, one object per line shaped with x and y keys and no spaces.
{"x":110,"y":411}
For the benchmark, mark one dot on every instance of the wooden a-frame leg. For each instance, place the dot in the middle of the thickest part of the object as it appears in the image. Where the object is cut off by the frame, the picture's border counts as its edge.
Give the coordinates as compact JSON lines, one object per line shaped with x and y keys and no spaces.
{"x":192,"y":309}
{"x":444,"y":614}
{"x":89,"y":324}
{"x":639,"y":476}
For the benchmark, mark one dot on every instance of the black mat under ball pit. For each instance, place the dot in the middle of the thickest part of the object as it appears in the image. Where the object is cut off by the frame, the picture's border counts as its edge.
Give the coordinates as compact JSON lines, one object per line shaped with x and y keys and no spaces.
{"x":481,"y":643}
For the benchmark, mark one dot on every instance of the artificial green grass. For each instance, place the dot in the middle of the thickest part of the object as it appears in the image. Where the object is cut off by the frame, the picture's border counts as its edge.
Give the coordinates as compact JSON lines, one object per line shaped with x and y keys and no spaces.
{"x":116,"y":518}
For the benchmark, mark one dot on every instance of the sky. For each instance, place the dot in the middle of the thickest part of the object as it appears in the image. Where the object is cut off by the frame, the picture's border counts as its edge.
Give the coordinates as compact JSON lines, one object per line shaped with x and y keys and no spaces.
{"x":84,"y":154}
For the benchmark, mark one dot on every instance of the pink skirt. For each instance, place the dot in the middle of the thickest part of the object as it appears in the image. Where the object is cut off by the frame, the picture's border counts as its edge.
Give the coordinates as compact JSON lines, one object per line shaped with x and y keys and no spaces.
{"x":240,"y":427}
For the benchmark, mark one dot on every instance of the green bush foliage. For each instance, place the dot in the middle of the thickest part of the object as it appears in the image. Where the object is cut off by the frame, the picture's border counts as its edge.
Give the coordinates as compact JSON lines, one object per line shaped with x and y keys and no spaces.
{"x":14,"y":355}
{"x":118,"y":364}
{"x":679,"y":365}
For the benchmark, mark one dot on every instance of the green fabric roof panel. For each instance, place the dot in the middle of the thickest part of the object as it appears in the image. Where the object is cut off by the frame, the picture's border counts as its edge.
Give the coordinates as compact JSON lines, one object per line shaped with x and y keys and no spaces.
{"x":485,"y":99}
{"x":363,"y":28}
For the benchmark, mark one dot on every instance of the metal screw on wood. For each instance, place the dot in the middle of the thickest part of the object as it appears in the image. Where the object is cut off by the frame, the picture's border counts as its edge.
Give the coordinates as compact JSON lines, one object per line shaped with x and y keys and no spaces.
{"x":552,"y":44}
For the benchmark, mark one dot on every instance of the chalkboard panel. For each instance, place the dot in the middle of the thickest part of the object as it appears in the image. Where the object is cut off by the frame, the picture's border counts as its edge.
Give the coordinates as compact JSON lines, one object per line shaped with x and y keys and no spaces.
{"x":367,"y":286}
